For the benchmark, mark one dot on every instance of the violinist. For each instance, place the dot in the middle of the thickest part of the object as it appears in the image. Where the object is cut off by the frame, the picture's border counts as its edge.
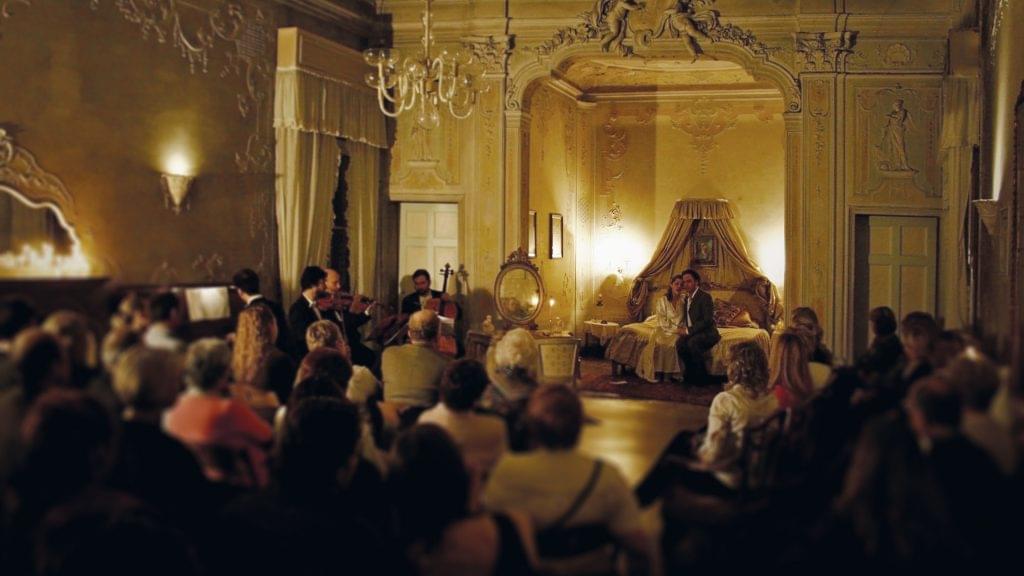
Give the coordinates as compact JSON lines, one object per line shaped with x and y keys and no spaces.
{"x":350,"y":312}
{"x":305,"y":310}
{"x":418,"y":300}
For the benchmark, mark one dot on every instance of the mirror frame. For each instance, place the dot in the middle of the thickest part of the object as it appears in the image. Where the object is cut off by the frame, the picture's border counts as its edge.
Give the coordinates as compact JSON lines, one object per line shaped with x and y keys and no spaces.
{"x":518,"y":260}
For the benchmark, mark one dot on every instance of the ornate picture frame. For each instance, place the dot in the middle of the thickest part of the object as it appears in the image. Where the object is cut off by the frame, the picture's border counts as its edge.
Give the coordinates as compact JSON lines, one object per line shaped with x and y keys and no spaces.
{"x":531,"y":238}
{"x":705,"y":250}
{"x":555,"y":221}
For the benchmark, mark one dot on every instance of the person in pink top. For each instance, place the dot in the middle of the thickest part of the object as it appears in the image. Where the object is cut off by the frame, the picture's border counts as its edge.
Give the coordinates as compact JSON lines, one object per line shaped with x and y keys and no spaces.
{"x":229,"y":439}
{"x":789,"y":371}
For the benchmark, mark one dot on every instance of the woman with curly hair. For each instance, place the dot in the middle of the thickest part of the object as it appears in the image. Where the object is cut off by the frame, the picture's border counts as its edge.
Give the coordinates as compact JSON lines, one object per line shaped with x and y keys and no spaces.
{"x":263,"y":374}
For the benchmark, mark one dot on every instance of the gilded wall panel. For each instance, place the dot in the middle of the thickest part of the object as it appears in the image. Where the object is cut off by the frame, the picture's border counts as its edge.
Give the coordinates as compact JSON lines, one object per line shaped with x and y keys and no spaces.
{"x":898,"y":55}
{"x":893,"y":156}
{"x":817,"y":236}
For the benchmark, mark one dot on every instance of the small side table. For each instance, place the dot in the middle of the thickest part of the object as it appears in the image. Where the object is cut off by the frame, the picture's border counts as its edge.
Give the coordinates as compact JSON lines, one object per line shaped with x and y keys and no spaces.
{"x":603,"y":332}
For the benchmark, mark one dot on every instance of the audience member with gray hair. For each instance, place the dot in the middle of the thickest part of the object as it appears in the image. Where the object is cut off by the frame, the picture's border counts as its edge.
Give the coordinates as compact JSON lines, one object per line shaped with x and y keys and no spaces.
{"x":412,"y":372}
{"x":214,"y":425}
{"x":512,"y":368}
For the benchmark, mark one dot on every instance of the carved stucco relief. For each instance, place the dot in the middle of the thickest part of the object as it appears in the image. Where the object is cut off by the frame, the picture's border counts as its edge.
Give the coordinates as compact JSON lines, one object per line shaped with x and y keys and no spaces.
{"x":613,"y":149}
{"x":902,"y":55}
{"x":210,"y":266}
{"x":896,"y":136}
{"x":704,"y":120}
{"x":824,"y":51}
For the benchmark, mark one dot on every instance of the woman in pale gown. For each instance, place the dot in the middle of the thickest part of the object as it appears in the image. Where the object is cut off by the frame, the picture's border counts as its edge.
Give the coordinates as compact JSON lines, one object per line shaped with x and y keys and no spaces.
{"x":669,"y":310}
{"x":659,"y":358}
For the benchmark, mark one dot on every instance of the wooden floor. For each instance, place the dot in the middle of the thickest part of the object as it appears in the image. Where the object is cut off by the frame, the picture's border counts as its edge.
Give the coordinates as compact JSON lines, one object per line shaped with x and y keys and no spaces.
{"x":632,"y":433}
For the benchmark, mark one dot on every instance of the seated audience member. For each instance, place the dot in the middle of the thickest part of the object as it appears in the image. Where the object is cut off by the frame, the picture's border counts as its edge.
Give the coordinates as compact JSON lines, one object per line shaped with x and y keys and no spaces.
{"x":306,"y":522}
{"x":226,"y":435}
{"x":115,"y":343}
{"x":165,"y":318}
{"x":151,"y":465}
{"x":820,"y":372}
{"x":69,"y":442}
{"x":73,"y":331}
{"x":439,"y":532}
{"x":885,"y":350}
{"x":327,"y":334}
{"x":948,"y":345}
{"x":482,"y":438}
{"x":789,"y":376}
{"x":978,"y":381}
{"x":111,"y":534}
{"x":807,"y":318}
{"x":972,"y":484}
{"x":917,"y":332}
{"x":40,"y":364}
{"x":890,"y":512}
{"x":246,"y":283}
{"x":512,"y":367}
{"x":263,"y":374}
{"x":16,"y":314}
{"x":412,"y":372}
{"x":568,"y":495}
{"x":746,"y":401}
{"x":130,"y":314}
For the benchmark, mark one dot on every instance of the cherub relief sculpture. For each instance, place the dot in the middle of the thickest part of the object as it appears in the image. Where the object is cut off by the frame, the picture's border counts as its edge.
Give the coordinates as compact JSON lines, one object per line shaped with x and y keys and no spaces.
{"x":681,"y":20}
{"x":616,"y":21}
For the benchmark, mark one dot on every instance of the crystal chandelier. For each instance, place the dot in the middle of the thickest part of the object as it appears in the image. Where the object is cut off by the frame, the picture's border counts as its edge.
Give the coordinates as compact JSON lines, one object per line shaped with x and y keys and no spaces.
{"x":424,"y":83}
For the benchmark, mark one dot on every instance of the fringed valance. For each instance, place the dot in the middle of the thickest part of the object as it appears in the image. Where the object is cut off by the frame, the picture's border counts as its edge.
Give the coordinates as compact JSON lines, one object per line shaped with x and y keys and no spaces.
{"x":310,"y":102}
{"x":702,"y":209}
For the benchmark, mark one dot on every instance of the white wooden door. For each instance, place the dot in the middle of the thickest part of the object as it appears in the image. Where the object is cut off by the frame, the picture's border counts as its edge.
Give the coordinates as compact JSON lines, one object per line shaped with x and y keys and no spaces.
{"x":428,"y":239}
{"x":902,"y":264}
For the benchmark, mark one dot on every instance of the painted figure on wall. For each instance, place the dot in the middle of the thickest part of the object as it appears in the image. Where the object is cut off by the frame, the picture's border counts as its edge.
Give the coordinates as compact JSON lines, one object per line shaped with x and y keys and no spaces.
{"x":893,"y":148}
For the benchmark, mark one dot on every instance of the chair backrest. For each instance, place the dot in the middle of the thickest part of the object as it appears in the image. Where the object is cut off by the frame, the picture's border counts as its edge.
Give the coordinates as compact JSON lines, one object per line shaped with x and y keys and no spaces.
{"x":558,"y":360}
{"x":760,"y":453}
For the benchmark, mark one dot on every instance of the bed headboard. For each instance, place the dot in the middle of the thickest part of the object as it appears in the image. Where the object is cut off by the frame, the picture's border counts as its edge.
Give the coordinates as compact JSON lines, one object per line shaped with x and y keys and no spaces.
{"x":754,"y":296}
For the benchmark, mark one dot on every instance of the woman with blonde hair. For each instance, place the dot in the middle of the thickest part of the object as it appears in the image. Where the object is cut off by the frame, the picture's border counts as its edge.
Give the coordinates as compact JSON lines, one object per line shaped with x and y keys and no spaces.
{"x":263,"y":374}
{"x":789,"y":373}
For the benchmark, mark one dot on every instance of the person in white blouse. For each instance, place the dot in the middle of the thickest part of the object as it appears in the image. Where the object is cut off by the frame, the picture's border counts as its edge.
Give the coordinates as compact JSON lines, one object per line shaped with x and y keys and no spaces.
{"x":669,"y":309}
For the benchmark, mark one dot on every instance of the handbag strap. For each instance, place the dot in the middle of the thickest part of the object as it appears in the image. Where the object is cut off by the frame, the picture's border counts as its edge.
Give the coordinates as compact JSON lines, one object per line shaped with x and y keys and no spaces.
{"x":580,"y":498}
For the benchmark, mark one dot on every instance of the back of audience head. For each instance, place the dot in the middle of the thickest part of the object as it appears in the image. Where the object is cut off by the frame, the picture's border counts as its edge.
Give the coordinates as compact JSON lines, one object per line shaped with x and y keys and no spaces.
{"x":254,"y":338}
{"x":16,"y":314}
{"x":806,"y":317}
{"x":165,"y":307}
{"x":788,"y":366}
{"x":326,"y":363}
{"x":948,"y":345}
{"x":748,"y":367}
{"x":208,"y":365}
{"x":130,"y":313}
{"x":918,"y":331}
{"x":325,"y":334}
{"x":316,"y":386}
{"x":41,"y":362}
{"x":515,"y":355}
{"x":462,"y":384}
{"x":883,"y":321}
{"x":112,"y":534}
{"x":73,"y":331}
{"x":69,"y":438}
{"x":554,"y":417}
{"x":147,"y":381}
{"x":117,"y":341}
{"x":977,"y":379}
{"x":247,"y":281}
{"x":424,"y":326}
{"x":934,"y":407}
{"x":431,"y":484}
{"x":318,"y":448}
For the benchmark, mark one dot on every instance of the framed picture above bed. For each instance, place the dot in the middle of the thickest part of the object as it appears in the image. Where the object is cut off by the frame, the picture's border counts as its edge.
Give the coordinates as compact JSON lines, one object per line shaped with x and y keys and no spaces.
{"x":705,"y":250}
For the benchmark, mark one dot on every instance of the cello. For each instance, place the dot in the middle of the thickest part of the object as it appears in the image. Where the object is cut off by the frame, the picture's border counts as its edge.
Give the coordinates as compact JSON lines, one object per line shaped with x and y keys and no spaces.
{"x":449,"y":312}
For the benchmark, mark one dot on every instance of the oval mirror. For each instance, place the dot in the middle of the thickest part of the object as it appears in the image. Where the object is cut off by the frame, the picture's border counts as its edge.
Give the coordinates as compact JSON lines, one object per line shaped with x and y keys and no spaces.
{"x":518,"y":290}
{"x":35,"y":240}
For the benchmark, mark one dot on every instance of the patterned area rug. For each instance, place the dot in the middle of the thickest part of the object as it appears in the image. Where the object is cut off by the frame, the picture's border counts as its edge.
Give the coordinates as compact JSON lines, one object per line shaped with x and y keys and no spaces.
{"x":596,"y":379}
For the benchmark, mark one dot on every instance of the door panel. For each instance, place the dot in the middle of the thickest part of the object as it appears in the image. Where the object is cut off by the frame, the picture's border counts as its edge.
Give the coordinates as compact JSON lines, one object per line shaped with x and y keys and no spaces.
{"x":428,"y":239}
{"x":903,"y":273}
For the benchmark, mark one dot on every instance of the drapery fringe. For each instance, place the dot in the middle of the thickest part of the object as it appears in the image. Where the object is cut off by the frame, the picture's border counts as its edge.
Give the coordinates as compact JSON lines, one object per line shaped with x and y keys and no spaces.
{"x":311,"y":102}
{"x":702,"y":209}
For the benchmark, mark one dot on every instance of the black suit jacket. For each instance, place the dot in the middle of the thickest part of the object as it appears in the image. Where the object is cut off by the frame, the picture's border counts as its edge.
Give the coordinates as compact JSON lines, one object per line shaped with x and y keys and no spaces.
{"x":300,"y":316}
{"x":702,"y":314}
{"x":283,"y":342}
{"x":411,"y":303}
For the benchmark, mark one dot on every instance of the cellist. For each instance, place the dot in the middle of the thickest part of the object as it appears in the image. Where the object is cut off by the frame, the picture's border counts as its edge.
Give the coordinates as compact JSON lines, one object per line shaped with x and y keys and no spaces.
{"x":418,"y":300}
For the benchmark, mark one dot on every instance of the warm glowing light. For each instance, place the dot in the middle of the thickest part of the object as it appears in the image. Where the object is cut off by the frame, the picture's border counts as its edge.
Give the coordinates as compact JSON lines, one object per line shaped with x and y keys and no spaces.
{"x":43,"y":262}
{"x":619,"y":253}
{"x":551,"y":302}
{"x":177,"y":163}
{"x":534,"y":300}
{"x":770,"y":255}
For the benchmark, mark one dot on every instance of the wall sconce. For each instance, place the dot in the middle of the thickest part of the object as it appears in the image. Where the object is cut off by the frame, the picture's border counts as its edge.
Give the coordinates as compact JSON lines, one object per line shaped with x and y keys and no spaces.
{"x":988,"y":213}
{"x":176,"y":186}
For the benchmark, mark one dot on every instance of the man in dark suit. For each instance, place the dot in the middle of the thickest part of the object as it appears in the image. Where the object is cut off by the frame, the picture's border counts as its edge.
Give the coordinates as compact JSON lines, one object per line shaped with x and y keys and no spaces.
{"x":304,"y":310}
{"x":247,"y":285}
{"x":414,"y":302}
{"x":349,"y":320}
{"x":697,"y":331}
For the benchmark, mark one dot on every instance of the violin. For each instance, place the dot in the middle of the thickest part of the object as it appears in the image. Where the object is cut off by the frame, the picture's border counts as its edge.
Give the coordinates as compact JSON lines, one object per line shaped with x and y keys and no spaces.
{"x":341,"y":301}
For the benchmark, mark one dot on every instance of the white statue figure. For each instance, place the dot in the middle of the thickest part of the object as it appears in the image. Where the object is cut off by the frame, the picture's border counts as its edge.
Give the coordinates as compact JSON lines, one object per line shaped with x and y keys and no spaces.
{"x":616,"y":20}
{"x":894,"y":143}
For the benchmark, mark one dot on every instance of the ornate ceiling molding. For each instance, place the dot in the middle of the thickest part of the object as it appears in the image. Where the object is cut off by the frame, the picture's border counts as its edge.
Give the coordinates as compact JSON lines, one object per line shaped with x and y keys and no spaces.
{"x":20,"y":171}
{"x":491,"y":51}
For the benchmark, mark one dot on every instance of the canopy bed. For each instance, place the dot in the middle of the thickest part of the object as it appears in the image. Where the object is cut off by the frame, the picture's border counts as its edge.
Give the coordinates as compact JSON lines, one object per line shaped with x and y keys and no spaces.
{"x":701,"y":235}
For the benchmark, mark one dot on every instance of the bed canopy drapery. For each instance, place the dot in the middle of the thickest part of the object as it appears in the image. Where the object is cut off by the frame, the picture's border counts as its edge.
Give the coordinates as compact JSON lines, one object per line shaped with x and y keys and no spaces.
{"x":733,"y":268}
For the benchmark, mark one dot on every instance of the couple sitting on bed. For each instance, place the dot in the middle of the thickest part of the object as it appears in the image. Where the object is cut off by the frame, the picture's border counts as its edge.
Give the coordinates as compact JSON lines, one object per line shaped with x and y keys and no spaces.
{"x":688,"y":311}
